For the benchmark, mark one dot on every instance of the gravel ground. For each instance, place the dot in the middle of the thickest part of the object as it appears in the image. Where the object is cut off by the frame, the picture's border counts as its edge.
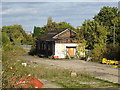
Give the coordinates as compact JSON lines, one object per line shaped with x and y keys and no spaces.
{"x":97,"y":70}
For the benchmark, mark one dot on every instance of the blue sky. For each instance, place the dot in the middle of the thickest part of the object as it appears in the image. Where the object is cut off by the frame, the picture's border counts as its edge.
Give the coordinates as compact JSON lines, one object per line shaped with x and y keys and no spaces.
{"x":30,"y":14}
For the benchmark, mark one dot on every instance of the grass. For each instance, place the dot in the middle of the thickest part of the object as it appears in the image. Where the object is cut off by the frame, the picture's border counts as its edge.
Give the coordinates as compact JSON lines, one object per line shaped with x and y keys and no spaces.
{"x":12,"y":68}
{"x":63,"y":78}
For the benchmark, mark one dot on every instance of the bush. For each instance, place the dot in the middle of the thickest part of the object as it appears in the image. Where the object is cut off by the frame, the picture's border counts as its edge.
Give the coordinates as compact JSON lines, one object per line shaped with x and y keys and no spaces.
{"x":6,"y":44}
{"x":109,"y":51}
{"x":33,"y":49}
{"x":28,"y":41}
{"x":98,"y":53}
{"x":113,"y":52}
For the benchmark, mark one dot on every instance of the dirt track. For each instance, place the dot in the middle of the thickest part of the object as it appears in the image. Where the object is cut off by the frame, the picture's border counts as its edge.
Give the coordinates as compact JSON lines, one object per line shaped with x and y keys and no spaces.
{"x":97,"y":70}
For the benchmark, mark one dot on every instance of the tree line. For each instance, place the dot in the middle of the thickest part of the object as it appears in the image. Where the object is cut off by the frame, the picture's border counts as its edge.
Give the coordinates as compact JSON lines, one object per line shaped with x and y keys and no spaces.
{"x":101,"y":35}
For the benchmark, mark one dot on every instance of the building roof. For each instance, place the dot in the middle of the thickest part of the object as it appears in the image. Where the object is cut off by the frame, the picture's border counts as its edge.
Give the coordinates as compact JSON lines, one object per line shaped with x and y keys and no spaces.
{"x":51,"y":35}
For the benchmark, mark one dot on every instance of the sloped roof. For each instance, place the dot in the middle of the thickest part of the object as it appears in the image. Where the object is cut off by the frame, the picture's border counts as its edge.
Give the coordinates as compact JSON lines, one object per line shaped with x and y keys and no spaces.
{"x":50,"y":34}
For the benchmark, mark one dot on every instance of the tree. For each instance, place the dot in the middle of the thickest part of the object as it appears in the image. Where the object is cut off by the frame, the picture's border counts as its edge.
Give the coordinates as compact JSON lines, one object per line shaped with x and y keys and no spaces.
{"x":36,"y":31}
{"x":64,"y":25}
{"x":93,"y":33}
{"x":15,"y":33}
{"x":81,"y":42}
{"x":105,"y":17}
{"x":5,"y":39}
{"x":116,"y":28}
{"x":41,"y":31}
{"x":0,"y":37}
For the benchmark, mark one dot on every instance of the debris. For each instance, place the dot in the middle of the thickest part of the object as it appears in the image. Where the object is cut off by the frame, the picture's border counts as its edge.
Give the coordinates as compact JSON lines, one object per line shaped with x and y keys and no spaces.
{"x":27,"y":82}
{"x":18,"y":60}
{"x":56,"y":57}
{"x":11,"y":68}
{"x":24,"y":64}
{"x":29,"y":74}
{"x":88,"y":58}
{"x":73,"y":74}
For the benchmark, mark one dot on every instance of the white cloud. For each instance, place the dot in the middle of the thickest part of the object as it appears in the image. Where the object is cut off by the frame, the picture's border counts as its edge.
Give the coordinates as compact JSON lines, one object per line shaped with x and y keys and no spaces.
{"x":32,"y":14}
{"x":60,"y":0}
{"x":19,"y":11}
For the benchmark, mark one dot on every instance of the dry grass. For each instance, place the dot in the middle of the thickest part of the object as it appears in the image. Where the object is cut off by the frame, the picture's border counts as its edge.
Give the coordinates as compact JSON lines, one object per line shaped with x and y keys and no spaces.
{"x":63,"y":78}
{"x":12,"y":67}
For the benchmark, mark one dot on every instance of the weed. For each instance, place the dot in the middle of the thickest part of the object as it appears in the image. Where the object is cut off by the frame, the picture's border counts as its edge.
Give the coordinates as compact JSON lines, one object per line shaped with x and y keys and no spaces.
{"x":13,"y":68}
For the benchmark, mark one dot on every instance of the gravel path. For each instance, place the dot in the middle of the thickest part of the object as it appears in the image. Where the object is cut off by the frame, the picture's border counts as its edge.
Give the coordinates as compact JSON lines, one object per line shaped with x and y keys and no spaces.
{"x":97,"y":70}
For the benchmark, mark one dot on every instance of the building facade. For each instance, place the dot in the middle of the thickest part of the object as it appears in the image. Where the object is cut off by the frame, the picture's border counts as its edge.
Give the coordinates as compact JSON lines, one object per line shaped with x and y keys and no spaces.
{"x":58,"y":44}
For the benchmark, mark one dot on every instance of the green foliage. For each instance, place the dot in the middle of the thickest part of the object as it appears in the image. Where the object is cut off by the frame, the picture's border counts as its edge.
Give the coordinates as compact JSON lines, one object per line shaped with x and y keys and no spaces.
{"x":29,"y":40}
{"x":108,"y":16}
{"x":51,"y":57}
{"x":112,"y":53}
{"x":108,"y":51}
{"x":15,"y":33}
{"x":0,"y":37}
{"x":33,"y":49}
{"x":116,"y":27}
{"x":98,"y":53}
{"x":82,"y":42}
{"x":40,"y":31}
{"x":93,"y":33}
{"x":5,"y":38}
{"x":64,"y":25}
{"x":6,"y":44}
{"x":12,"y":67}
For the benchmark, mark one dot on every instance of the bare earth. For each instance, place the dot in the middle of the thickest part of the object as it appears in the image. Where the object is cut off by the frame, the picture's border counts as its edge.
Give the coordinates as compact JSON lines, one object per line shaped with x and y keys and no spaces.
{"x":97,"y":70}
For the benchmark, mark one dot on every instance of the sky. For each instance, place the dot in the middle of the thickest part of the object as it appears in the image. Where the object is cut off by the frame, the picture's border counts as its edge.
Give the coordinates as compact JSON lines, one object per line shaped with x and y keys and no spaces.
{"x":30,"y":14}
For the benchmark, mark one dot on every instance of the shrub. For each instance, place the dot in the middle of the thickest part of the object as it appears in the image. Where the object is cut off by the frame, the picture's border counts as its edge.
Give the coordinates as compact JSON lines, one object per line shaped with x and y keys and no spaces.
{"x":109,"y":51}
{"x":6,"y":44}
{"x":113,"y":52}
{"x":33,"y":49}
{"x":98,"y":53}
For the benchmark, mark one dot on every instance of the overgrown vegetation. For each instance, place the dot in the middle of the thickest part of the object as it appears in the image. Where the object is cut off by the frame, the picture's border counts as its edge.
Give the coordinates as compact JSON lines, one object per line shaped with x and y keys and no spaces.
{"x":63,"y":78}
{"x":39,"y":31}
{"x":102,"y":34}
{"x":33,"y":49}
{"x":17,"y":35}
{"x":13,"y":68}
{"x":11,"y":63}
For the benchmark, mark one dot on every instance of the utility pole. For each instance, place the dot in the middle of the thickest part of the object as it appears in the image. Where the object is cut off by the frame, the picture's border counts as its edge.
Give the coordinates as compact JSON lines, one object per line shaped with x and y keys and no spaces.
{"x":114,"y":36}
